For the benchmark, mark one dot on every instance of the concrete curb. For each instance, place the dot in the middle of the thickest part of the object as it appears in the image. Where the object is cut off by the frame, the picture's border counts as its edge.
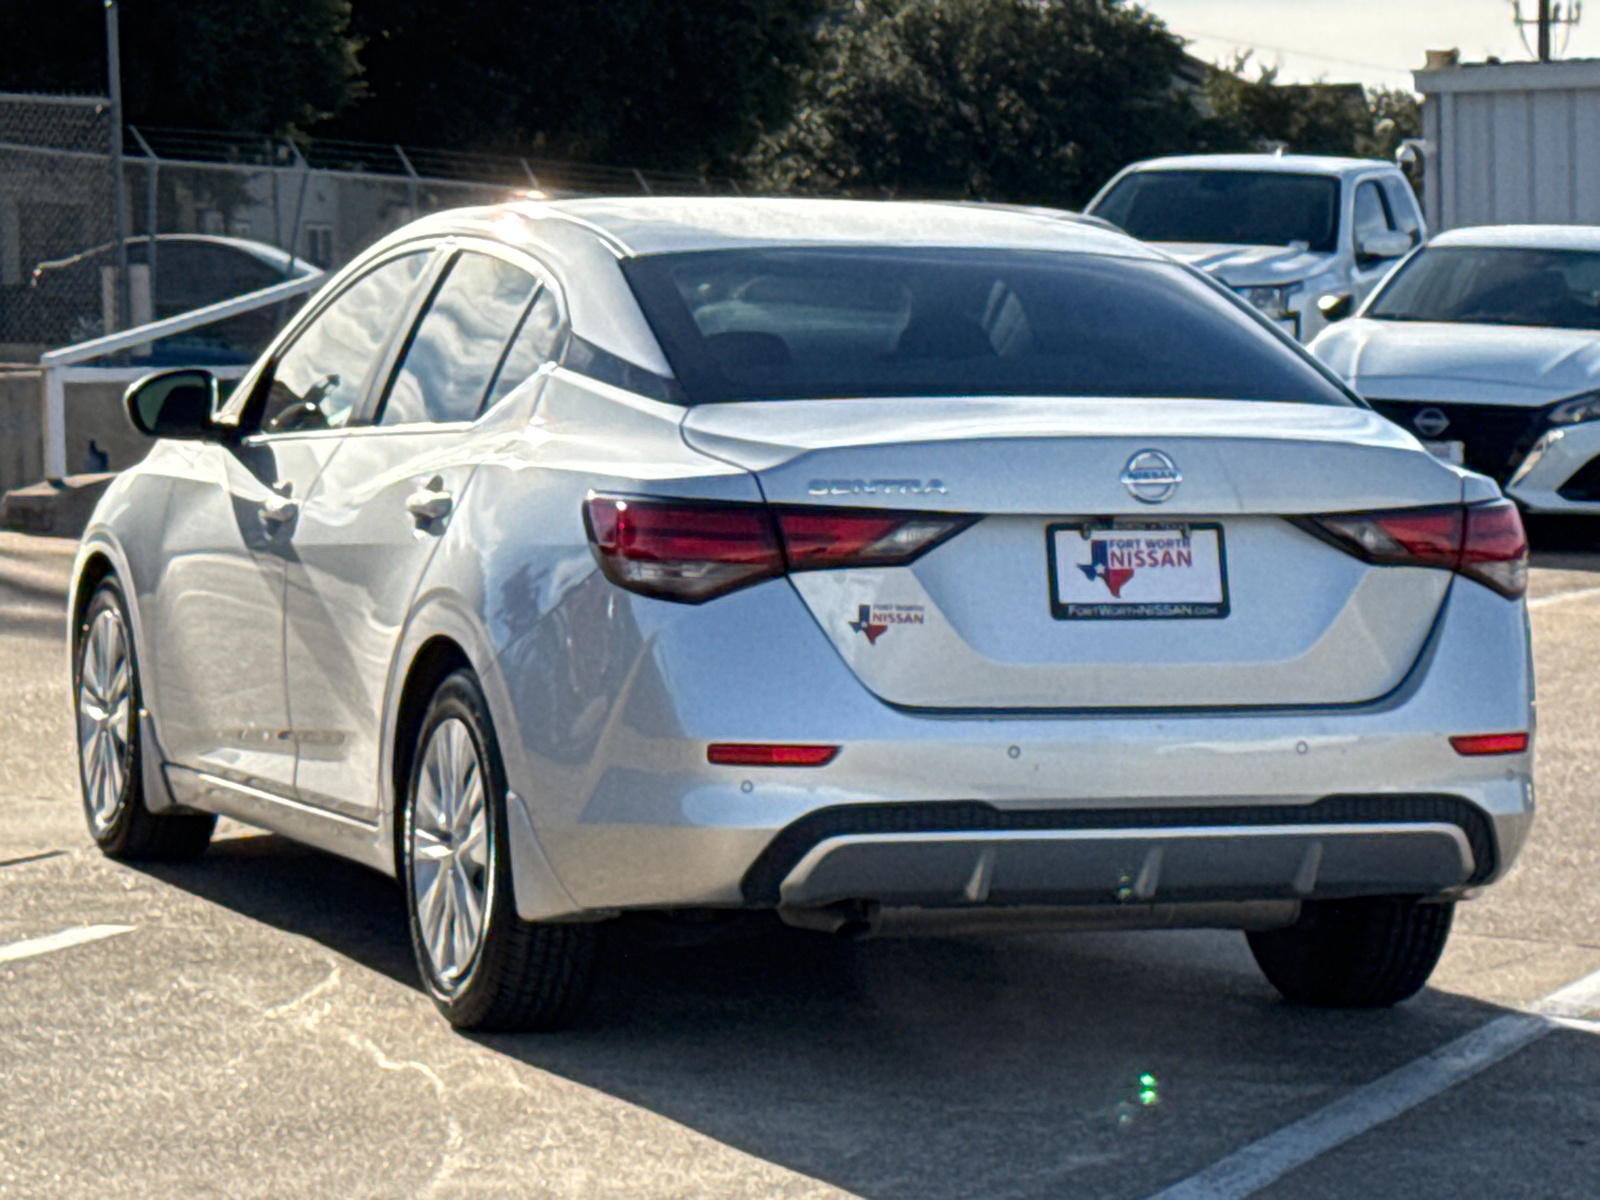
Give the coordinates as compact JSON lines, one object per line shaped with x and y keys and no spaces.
{"x":60,"y":508}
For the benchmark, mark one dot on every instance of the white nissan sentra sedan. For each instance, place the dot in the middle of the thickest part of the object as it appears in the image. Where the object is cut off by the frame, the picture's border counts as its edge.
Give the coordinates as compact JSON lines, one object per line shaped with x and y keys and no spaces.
{"x":893,"y":567}
{"x":1486,"y":344}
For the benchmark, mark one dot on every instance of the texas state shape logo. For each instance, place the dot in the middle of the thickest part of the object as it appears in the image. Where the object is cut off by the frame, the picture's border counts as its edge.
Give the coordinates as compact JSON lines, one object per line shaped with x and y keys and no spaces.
{"x":865,"y":624}
{"x":1099,"y":567}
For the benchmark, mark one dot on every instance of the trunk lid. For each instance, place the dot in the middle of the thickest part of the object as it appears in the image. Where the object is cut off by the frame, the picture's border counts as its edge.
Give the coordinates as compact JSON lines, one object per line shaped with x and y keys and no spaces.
{"x":972,"y":624}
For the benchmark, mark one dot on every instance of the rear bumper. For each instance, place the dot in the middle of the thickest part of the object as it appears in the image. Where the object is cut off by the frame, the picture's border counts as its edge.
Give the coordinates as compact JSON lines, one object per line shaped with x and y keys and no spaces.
{"x":1322,"y":852}
{"x":966,"y":854}
{"x":1067,"y":809}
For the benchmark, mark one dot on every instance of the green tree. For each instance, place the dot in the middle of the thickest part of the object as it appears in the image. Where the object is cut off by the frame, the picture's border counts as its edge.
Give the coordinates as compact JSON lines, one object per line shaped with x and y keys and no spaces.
{"x":657,"y":83}
{"x":253,"y":66}
{"x":1316,"y":118}
{"x":1021,"y":100}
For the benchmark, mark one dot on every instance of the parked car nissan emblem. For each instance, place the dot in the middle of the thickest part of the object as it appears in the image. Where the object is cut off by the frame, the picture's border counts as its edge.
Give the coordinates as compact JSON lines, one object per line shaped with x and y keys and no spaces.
{"x":1151,"y":477}
{"x":1430,"y":422}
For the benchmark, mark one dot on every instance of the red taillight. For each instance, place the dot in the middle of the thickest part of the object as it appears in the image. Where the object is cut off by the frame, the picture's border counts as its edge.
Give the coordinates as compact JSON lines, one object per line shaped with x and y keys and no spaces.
{"x":1483,"y":541}
{"x":692,"y":551}
{"x":742,"y":754}
{"x":682,"y":550}
{"x":1477,"y":744}
{"x":1495,"y":549}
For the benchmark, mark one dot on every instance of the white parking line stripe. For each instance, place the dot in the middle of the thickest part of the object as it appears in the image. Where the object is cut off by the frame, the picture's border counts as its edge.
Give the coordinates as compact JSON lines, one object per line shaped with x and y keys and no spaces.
{"x":1577,"y":999}
{"x":1577,"y":1023}
{"x":1251,"y":1168}
{"x":1575,"y":594}
{"x":60,"y":941}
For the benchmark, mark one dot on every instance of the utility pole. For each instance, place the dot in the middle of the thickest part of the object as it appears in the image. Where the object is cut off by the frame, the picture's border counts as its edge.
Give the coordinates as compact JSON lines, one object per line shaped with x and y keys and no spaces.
{"x":124,"y":289}
{"x":1551,"y":13}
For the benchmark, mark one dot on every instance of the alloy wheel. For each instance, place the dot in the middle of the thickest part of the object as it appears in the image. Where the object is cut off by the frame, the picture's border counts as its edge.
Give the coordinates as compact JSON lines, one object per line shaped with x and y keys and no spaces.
{"x":105,"y":698}
{"x":450,"y":851}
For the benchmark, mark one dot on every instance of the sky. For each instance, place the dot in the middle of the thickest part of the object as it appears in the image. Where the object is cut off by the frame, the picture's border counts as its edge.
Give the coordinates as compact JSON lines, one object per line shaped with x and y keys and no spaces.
{"x":1375,"y":42}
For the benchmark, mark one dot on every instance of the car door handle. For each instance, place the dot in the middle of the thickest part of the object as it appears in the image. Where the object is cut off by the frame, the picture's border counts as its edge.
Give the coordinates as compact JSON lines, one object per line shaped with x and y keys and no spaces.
{"x":279,"y":510}
{"x":430,"y":503}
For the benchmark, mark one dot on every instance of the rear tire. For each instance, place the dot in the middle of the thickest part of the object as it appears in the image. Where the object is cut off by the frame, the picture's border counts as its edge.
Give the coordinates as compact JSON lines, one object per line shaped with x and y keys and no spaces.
{"x":108,"y":701}
{"x":1362,"y":953}
{"x":485,"y":968}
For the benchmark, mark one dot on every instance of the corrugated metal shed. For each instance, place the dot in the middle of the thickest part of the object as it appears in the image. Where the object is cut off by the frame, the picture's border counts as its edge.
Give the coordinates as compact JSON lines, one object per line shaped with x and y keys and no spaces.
{"x":1512,"y":143}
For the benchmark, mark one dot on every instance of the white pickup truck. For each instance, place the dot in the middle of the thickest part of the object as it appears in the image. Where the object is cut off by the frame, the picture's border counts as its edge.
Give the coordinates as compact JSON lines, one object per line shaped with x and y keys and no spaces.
{"x":1287,"y":232}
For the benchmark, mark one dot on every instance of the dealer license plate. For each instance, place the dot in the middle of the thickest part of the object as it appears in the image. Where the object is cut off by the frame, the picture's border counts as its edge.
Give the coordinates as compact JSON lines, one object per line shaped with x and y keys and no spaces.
{"x":1137,"y":572}
{"x":1451,"y":452}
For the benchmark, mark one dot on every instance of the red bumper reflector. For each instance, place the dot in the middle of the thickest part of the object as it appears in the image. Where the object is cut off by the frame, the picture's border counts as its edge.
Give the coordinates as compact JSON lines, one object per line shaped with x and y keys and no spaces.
{"x":740,"y":754}
{"x":1490,"y":743}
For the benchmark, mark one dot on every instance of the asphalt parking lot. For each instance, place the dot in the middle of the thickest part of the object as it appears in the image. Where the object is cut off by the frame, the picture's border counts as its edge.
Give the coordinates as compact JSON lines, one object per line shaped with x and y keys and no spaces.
{"x":251,"y":1025}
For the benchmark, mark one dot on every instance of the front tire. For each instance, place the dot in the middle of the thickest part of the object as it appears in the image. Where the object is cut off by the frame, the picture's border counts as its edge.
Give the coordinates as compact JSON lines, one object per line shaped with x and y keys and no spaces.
{"x":485,"y":968}
{"x":110,"y":757}
{"x":1363,"y":953}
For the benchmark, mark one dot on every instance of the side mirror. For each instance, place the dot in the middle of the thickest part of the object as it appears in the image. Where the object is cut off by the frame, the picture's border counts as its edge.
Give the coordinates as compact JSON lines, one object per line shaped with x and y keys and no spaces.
{"x":173,"y":404}
{"x":1375,"y":247}
{"x":1336,"y":307}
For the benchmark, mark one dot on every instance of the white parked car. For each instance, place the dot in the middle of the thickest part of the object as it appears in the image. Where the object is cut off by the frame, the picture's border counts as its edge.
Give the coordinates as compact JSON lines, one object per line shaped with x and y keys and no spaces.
{"x":1486,"y":345}
{"x":883,"y":566}
{"x":1287,"y":232}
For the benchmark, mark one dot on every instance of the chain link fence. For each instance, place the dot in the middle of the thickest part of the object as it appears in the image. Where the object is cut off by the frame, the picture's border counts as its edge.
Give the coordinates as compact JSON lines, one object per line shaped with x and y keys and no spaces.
{"x":57,"y":198}
{"x":228,"y":214}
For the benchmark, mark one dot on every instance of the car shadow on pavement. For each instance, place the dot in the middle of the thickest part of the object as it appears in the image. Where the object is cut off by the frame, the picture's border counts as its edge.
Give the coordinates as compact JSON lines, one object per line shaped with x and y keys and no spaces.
{"x":1089,"y":1064}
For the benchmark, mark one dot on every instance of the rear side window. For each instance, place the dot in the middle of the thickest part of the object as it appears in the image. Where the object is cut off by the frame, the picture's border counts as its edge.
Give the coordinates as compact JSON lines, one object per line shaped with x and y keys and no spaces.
{"x":857,"y":322}
{"x":460,"y":342}
{"x":536,"y":342}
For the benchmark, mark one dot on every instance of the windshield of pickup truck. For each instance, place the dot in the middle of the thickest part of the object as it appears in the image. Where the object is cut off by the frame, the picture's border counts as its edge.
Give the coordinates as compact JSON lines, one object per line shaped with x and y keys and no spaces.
{"x":1234,"y":208}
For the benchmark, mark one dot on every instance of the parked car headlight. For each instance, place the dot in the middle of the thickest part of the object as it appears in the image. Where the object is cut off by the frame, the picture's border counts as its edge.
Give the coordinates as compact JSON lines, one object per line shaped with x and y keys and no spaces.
{"x":1273,"y":300}
{"x":1580,"y":408}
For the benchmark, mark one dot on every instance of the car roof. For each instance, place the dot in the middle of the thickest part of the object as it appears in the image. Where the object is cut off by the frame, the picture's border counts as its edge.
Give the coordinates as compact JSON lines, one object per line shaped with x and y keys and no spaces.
{"x":639,"y":226}
{"x":265,"y":251}
{"x":1287,"y":164}
{"x":278,"y":260}
{"x":591,"y":239}
{"x":1526,"y":237}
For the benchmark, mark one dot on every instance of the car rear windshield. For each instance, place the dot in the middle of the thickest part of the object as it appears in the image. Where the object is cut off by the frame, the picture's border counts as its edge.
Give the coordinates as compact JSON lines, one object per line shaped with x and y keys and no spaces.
{"x":825,"y":323}
{"x":1235,"y":208}
{"x":1497,"y":285}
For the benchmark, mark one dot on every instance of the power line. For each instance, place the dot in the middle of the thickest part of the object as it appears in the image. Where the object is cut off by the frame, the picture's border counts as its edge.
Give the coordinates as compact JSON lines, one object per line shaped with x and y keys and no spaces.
{"x":1246,"y":43}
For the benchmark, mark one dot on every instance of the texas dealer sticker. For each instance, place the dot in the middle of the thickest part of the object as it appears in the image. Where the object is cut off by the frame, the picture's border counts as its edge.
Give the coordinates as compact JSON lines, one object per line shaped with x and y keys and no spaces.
{"x":1170,"y":571}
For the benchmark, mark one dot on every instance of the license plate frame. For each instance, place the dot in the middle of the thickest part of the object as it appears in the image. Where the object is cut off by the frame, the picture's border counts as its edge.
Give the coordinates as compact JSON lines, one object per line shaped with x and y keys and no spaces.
{"x":1450,"y":451}
{"x":1134,"y":610}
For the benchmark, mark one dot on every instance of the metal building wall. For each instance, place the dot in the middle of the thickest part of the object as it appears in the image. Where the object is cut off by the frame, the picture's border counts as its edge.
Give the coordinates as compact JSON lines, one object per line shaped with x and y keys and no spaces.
{"x":1512,"y":143}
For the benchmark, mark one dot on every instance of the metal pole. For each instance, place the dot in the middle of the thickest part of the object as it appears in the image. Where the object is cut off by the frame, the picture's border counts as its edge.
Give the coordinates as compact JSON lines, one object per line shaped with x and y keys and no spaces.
{"x":118,"y":183}
{"x":411,"y":180}
{"x":152,"y":182}
{"x":1544,"y":30}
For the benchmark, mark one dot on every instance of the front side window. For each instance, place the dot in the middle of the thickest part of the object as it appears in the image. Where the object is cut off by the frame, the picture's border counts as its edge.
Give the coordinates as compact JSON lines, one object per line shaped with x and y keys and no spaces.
{"x":1372,"y":212}
{"x":880,"y":321}
{"x":321,"y":377}
{"x":1234,"y":208}
{"x":460,"y":343}
{"x":1495,"y":285}
{"x":1403,"y":206}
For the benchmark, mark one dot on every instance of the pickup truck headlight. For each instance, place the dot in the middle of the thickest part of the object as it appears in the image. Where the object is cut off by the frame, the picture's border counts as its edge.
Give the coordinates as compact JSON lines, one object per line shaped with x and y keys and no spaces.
{"x":1273,"y":300}
{"x":1577,"y":410}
